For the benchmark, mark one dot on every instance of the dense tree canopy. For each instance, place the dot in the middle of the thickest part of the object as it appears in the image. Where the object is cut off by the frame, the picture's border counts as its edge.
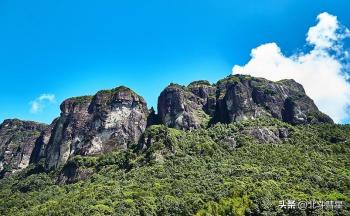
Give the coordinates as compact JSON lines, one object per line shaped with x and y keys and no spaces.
{"x":199,"y":172}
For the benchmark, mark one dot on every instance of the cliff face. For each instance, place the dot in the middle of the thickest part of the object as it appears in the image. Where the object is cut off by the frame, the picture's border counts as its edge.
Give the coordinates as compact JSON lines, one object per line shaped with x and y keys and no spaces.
{"x":236,"y":98}
{"x":41,"y":143}
{"x":187,"y":107}
{"x":116,"y":118}
{"x":93,"y":125}
{"x":17,"y":141}
{"x":245,"y":97}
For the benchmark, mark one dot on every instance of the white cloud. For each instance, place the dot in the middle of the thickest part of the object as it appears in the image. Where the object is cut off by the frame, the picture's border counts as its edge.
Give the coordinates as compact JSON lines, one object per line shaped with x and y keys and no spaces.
{"x":40,"y":102}
{"x":321,"y":70}
{"x":48,"y":97}
{"x":323,"y":35}
{"x":34,"y":107}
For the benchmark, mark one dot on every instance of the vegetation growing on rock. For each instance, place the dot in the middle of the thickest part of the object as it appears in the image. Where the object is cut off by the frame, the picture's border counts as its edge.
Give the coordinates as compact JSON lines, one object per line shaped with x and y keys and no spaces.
{"x":199,"y":83}
{"x":236,"y":147}
{"x":236,"y":98}
{"x":198,"y":172}
{"x":82,"y":99}
{"x":17,"y":141}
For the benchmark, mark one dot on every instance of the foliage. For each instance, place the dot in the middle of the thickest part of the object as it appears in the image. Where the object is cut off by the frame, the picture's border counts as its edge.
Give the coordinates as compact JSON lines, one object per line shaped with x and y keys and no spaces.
{"x":82,"y":99}
{"x":199,"y":174}
{"x":199,"y":83}
{"x":116,"y":90}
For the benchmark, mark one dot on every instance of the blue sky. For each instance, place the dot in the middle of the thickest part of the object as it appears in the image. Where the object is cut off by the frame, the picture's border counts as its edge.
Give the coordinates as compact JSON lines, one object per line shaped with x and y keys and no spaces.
{"x":72,"y":48}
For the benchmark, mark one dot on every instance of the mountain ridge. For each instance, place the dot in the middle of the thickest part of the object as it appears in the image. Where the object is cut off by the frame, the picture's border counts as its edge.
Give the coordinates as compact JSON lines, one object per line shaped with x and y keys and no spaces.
{"x":118,"y":117}
{"x":236,"y":147}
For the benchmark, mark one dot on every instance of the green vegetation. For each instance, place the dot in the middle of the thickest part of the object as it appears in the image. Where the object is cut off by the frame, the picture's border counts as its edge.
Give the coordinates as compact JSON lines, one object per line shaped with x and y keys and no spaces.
{"x":269,"y":91}
{"x":196,"y":173}
{"x":234,"y":79}
{"x":175,"y":85}
{"x":284,"y":81}
{"x":116,"y":90}
{"x":82,"y":99}
{"x":110,"y":93}
{"x":203,"y":118}
{"x":199,"y":83}
{"x":230,"y":79}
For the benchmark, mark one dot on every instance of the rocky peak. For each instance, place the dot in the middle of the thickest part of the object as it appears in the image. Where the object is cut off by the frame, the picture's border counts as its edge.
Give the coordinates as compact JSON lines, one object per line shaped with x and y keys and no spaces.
{"x":16,"y":124}
{"x":75,"y":104}
{"x":120,"y":96}
{"x":244,"y":97}
{"x":236,"y":98}
{"x":17,"y":141}
{"x":207,"y":92}
{"x":117,"y":118}
{"x":184,"y":107}
{"x":96,"y":124}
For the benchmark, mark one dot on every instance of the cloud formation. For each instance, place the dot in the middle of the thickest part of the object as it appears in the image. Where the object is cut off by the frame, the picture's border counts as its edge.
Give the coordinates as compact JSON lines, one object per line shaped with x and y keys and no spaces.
{"x":321,"y":70}
{"x":40,"y":102}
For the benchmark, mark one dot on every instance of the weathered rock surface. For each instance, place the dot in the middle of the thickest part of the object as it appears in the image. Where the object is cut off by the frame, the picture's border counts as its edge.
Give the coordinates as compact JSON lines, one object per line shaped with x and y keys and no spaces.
{"x":187,"y":107}
{"x":116,"y":118}
{"x":244,"y":97}
{"x":267,"y":135}
{"x":93,"y":125}
{"x":207,"y":94}
{"x":41,"y":143}
{"x":236,"y":98}
{"x":72,"y":173}
{"x":17,"y":141}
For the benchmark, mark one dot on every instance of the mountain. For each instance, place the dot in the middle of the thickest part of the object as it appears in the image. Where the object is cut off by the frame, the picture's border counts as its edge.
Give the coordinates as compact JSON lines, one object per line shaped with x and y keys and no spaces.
{"x":93,"y":125}
{"x":17,"y":141}
{"x":231,"y":148}
{"x":236,"y":98}
{"x":116,"y":118}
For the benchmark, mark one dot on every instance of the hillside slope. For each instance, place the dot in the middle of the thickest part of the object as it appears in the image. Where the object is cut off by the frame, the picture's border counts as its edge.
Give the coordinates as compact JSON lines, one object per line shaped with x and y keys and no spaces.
{"x":241,"y":146}
{"x":117,"y":118}
{"x":242,"y":168}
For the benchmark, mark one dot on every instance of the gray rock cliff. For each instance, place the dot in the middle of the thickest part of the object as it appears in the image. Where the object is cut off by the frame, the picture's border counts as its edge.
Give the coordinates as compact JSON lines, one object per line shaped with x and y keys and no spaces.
{"x":17,"y":141}
{"x":117,"y":118}
{"x":187,"y":107}
{"x":236,"y":98}
{"x":93,"y":125}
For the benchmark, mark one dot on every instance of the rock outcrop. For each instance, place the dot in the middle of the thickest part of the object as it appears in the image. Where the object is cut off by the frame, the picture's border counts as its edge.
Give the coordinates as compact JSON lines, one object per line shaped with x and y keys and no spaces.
{"x":117,"y":118}
{"x":244,"y":97}
{"x":236,"y":98}
{"x":267,"y":135}
{"x":17,"y":141}
{"x":96,"y":124}
{"x":41,"y":143}
{"x":72,"y":173}
{"x":187,"y":107}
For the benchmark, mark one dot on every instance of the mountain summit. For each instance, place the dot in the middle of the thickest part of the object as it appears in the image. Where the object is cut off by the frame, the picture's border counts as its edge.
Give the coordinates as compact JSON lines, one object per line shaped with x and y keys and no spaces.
{"x":241,"y":146}
{"x":236,"y":98}
{"x":117,"y":118}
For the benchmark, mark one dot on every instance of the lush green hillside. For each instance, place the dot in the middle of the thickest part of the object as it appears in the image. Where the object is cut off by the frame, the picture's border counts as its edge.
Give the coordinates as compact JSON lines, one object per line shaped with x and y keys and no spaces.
{"x":202,"y":172}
